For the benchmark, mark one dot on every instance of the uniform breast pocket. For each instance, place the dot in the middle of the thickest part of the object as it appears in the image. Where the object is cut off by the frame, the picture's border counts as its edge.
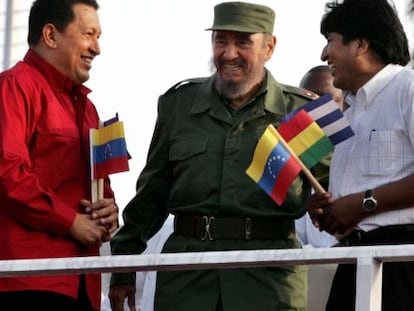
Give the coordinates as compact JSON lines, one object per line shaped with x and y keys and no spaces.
{"x":188,"y":157}
{"x":187,"y":149}
{"x":382,"y":151}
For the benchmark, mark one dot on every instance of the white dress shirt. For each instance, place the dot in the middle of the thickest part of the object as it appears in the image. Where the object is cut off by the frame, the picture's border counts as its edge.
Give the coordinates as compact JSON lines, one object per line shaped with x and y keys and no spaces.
{"x":310,"y":236}
{"x":382,"y":150}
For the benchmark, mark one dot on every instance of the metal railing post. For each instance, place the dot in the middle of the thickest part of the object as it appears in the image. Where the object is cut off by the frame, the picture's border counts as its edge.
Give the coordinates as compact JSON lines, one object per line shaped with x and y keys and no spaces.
{"x":368,"y":284}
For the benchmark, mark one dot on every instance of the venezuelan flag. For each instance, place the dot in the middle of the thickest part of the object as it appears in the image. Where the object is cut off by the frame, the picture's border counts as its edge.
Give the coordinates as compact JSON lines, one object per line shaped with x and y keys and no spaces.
{"x":306,"y":139}
{"x":108,"y":150}
{"x":273,"y":168}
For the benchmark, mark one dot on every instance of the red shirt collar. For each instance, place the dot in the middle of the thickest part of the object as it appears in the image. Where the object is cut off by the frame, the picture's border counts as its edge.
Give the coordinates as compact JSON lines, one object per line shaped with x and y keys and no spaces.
{"x":55,"y":78}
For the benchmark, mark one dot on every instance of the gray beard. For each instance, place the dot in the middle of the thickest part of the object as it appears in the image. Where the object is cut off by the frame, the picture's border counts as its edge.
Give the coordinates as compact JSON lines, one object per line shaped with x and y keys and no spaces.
{"x":230,"y":89}
{"x":235,"y":90}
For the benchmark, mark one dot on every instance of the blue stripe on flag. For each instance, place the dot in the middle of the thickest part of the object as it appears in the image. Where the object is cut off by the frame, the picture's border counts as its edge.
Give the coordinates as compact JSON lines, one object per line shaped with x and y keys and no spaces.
{"x":329,"y":118}
{"x":342,"y":135}
{"x":275,"y":162}
{"x":112,"y":149}
{"x":314,"y":104}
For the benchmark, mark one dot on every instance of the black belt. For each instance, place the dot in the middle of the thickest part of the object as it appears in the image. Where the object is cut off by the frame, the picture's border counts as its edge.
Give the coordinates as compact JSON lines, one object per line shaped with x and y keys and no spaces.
{"x":223,"y":228}
{"x":387,"y":235}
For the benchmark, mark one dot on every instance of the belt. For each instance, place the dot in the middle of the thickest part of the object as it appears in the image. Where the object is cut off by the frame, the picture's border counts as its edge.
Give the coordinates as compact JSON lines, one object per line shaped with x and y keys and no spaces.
{"x":223,"y":228}
{"x":387,"y":235}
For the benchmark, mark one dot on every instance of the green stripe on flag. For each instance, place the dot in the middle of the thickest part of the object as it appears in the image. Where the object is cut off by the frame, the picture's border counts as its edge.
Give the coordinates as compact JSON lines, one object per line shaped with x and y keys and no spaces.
{"x":316,"y":152}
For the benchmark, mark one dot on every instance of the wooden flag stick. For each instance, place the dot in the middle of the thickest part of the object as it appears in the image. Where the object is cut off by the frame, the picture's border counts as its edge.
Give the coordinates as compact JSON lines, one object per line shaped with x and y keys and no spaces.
{"x":100,"y":188}
{"x":96,"y":184}
{"x":314,"y":183}
{"x":97,"y":189}
{"x":94,"y":190}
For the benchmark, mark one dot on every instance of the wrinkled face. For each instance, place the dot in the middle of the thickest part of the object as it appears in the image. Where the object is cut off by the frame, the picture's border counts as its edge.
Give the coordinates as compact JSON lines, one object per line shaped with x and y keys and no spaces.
{"x":341,"y":58}
{"x":239,"y":59}
{"x":78,"y":45}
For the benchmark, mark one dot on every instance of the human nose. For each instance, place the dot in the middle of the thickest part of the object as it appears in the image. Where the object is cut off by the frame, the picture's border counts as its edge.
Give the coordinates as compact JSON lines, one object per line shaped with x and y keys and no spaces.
{"x":324,"y":55}
{"x":95,"y":47}
{"x":230,"y":52}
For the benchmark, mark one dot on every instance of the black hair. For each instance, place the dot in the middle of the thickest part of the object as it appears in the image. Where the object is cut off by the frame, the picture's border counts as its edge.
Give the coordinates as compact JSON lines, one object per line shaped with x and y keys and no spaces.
{"x":373,"y":20}
{"x":57,"y":12}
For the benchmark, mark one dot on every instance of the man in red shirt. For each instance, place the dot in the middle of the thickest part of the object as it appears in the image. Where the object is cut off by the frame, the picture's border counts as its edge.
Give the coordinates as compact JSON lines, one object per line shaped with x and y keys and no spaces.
{"x":45,"y":117}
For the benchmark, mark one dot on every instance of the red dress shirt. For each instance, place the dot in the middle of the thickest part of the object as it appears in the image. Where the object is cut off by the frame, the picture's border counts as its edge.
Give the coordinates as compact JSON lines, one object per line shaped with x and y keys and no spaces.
{"x":44,"y":171}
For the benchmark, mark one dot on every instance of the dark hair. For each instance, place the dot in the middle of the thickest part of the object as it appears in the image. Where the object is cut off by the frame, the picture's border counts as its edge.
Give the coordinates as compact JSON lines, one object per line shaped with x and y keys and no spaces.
{"x":320,"y":68}
{"x":373,"y":20}
{"x":57,"y":12}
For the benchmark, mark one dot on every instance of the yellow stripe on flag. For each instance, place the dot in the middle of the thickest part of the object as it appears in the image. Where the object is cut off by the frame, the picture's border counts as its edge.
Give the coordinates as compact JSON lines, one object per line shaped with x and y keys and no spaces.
{"x":105,"y":134}
{"x":263,"y":149}
{"x":306,"y":139}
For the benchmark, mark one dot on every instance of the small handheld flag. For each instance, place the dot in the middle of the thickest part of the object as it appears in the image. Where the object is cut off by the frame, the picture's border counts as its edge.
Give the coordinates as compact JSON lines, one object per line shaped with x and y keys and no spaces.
{"x":326,"y":113}
{"x":273,"y":167}
{"x":305,"y":138}
{"x":108,"y":149}
{"x":108,"y":153}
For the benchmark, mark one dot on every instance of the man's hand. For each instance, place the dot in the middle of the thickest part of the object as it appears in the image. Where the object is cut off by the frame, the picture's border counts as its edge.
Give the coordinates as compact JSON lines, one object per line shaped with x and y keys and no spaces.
{"x":104,"y":211}
{"x":118,"y":294}
{"x":335,"y":216}
{"x":88,"y":231}
{"x":97,"y":224}
{"x":316,"y":206}
{"x":344,"y":214}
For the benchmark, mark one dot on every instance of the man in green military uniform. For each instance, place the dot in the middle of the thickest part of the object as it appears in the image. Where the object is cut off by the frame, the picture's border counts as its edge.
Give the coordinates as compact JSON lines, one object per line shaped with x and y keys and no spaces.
{"x":206,"y":133}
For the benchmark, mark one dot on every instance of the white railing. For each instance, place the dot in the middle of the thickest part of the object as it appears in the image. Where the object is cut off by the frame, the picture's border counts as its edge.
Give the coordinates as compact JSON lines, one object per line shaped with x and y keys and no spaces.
{"x":369,"y":261}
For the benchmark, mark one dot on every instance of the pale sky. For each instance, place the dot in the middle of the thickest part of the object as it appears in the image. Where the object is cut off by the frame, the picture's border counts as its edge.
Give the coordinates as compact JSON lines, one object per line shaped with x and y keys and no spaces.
{"x":148,"y":46}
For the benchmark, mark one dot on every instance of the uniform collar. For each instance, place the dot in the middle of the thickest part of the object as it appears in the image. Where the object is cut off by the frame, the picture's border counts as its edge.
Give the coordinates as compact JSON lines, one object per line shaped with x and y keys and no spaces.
{"x":274,"y":96}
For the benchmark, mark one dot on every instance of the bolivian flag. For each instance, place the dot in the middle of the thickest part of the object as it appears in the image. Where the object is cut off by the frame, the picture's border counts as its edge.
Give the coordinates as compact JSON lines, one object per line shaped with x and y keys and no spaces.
{"x":306,"y":138}
{"x":326,"y":113}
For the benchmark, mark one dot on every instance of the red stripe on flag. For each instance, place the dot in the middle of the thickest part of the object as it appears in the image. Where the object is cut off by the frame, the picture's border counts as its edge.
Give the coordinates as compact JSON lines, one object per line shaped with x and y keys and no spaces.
{"x":110,"y":166}
{"x":300,"y":121}
{"x":285,"y":178}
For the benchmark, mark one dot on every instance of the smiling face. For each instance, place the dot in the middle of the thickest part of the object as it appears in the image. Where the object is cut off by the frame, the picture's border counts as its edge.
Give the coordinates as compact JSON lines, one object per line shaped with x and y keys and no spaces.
{"x":239,"y":59}
{"x":77,"y":45}
{"x":343,"y":60}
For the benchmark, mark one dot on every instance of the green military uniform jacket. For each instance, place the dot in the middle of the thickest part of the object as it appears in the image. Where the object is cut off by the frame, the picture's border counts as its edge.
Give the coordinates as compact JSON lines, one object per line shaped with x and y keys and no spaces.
{"x":196,"y":166}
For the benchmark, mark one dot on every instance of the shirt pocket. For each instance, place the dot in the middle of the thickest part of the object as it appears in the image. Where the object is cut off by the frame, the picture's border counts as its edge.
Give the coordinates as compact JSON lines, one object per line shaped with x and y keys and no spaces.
{"x":188,"y":148}
{"x":381,"y":152}
{"x":188,"y":157}
{"x":57,"y":150}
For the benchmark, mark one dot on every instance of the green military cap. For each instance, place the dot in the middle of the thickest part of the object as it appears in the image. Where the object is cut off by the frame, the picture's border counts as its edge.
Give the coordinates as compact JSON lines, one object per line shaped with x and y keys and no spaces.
{"x":243,"y":17}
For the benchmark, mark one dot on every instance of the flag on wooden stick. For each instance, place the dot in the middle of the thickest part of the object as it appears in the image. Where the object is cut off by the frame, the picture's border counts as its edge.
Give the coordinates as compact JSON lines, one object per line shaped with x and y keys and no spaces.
{"x":109,"y":153}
